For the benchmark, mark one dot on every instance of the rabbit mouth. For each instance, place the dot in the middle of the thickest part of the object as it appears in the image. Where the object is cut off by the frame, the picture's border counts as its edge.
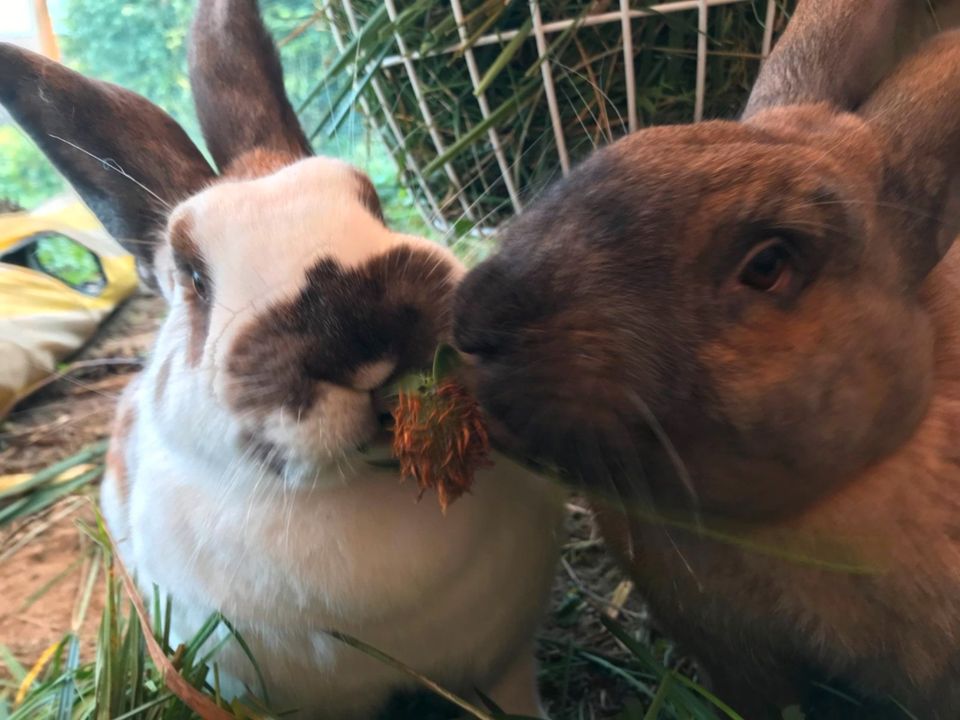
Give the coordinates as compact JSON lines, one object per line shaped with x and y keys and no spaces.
{"x":270,"y":455}
{"x":290,"y":463}
{"x":378,"y":443}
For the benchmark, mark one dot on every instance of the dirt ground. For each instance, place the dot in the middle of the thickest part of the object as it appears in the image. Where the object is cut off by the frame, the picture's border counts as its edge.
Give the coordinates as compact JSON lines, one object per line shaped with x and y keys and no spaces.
{"x":45,"y":561}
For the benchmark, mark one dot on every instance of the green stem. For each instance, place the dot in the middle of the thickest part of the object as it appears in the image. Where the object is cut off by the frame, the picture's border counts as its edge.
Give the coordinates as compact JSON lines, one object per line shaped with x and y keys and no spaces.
{"x":422,"y":679}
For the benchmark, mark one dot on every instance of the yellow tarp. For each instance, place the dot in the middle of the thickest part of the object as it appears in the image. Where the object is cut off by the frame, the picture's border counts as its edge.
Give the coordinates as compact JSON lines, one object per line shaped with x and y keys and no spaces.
{"x":43,"y":320}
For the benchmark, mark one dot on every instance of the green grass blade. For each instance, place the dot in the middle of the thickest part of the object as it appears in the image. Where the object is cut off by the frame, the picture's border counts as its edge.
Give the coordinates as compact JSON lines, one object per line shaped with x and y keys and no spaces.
{"x":206,"y":630}
{"x":253,"y":661}
{"x":618,"y":671}
{"x":639,"y":651}
{"x":341,"y":108}
{"x":468,"y":138}
{"x":17,"y":671}
{"x":91,"y":452}
{"x":167,"y":621}
{"x":557,"y":45}
{"x":139,"y":711}
{"x":653,"y":712}
{"x":373,"y":652}
{"x":351,"y":53}
{"x":708,"y":696}
{"x":67,"y":688}
{"x":505,"y":56}
{"x":42,"y":498}
{"x":104,"y":663}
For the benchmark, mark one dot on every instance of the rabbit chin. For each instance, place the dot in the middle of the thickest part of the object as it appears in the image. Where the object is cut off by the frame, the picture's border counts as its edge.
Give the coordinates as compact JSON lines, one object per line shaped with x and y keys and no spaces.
{"x":319,"y":448}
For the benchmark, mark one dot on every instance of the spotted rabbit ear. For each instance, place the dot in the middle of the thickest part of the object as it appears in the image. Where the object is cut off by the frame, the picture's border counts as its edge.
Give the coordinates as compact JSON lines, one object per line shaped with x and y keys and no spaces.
{"x":237,"y":83}
{"x":914,"y":115}
{"x":128,"y":159}
{"x":836,"y":51}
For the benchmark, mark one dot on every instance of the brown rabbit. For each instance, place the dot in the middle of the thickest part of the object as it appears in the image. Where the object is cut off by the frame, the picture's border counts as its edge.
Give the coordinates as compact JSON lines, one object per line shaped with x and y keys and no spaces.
{"x":749,"y":333}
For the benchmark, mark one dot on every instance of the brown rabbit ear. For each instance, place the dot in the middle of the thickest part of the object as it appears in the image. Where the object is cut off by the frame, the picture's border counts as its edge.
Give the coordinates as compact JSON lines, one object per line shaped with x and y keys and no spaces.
{"x":836,"y":51}
{"x":128,"y":159}
{"x":914,"y":114}
{"x":237,"y":83}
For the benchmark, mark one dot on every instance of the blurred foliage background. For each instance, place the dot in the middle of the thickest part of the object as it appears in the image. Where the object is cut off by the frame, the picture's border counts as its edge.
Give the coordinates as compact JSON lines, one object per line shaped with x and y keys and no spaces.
{"x":142,"y":46}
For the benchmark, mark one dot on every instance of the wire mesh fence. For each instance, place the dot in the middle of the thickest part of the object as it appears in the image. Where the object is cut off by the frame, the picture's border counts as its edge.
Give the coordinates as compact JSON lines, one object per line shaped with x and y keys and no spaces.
{"x":484,"y":102}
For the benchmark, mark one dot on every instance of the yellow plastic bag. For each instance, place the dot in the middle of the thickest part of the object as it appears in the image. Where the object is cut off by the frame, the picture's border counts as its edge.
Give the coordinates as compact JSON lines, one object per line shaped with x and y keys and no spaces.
{"x":61,"y":275}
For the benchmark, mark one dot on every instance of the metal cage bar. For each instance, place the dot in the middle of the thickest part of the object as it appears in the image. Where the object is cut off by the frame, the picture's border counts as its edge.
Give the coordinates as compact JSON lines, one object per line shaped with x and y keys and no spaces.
{"x":561,"y":25}
{"x":547,"y":72}
{"x":769,"y":22}
{"x":438,"y":143}
{"x":622,"y":13}
{"x":492,"y":133}
{"x":398,"y":136}
{"x":626,"y":24}
{"x":701,"y":88}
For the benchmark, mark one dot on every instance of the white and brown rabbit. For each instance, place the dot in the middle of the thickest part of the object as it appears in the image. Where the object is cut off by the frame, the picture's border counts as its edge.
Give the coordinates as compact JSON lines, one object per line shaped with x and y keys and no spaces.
{"x":234,"y":484}
{"x":749,"y":333}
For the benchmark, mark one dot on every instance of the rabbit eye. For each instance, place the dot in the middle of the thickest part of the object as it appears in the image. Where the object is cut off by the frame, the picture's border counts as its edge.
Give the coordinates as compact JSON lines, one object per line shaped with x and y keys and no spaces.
{"x":199,"y":283}
{"x":768,"y":267}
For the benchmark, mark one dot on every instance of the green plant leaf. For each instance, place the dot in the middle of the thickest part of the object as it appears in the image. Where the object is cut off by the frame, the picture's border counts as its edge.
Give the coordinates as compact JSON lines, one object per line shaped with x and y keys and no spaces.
{"x":505,"y":56}
{"x":446,"y":361}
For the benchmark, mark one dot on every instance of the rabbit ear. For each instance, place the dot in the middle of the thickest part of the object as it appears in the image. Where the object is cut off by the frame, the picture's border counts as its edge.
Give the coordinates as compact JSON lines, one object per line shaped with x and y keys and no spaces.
{"x":836,"y":51}
{"x":914,"y":114}
{"x":128,"y":159}
{"x":237,"y":83}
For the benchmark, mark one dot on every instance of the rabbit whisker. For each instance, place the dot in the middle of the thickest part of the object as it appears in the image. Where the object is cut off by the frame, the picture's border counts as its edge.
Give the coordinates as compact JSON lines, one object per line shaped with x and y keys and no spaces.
{"x":111,"y":164}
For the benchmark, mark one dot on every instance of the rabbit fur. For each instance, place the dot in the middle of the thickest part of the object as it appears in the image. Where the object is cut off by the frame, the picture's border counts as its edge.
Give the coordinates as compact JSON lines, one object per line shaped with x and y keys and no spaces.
{"x":234,"y":484}
{"x":744,"y":337}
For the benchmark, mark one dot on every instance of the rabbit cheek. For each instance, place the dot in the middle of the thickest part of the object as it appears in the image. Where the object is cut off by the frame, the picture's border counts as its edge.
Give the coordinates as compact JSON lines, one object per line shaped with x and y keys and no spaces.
{"x":265,"y":373}
{"x":801,"y":404}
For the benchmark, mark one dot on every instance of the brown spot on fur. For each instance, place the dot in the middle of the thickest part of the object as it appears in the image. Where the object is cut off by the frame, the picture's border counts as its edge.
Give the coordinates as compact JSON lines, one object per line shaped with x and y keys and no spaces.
{"x":116,"y":464}
{"x":395,"y":307}
{"x":181,"y":227}
{"x":163,"y":377}
{"x":369,"y":196}
{"x":257,"y":163}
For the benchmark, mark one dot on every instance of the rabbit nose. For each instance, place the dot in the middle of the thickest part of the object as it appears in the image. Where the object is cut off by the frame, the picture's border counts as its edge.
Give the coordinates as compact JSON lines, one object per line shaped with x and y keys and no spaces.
{"x":372,"y":375}
{"x":484,"y":312}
